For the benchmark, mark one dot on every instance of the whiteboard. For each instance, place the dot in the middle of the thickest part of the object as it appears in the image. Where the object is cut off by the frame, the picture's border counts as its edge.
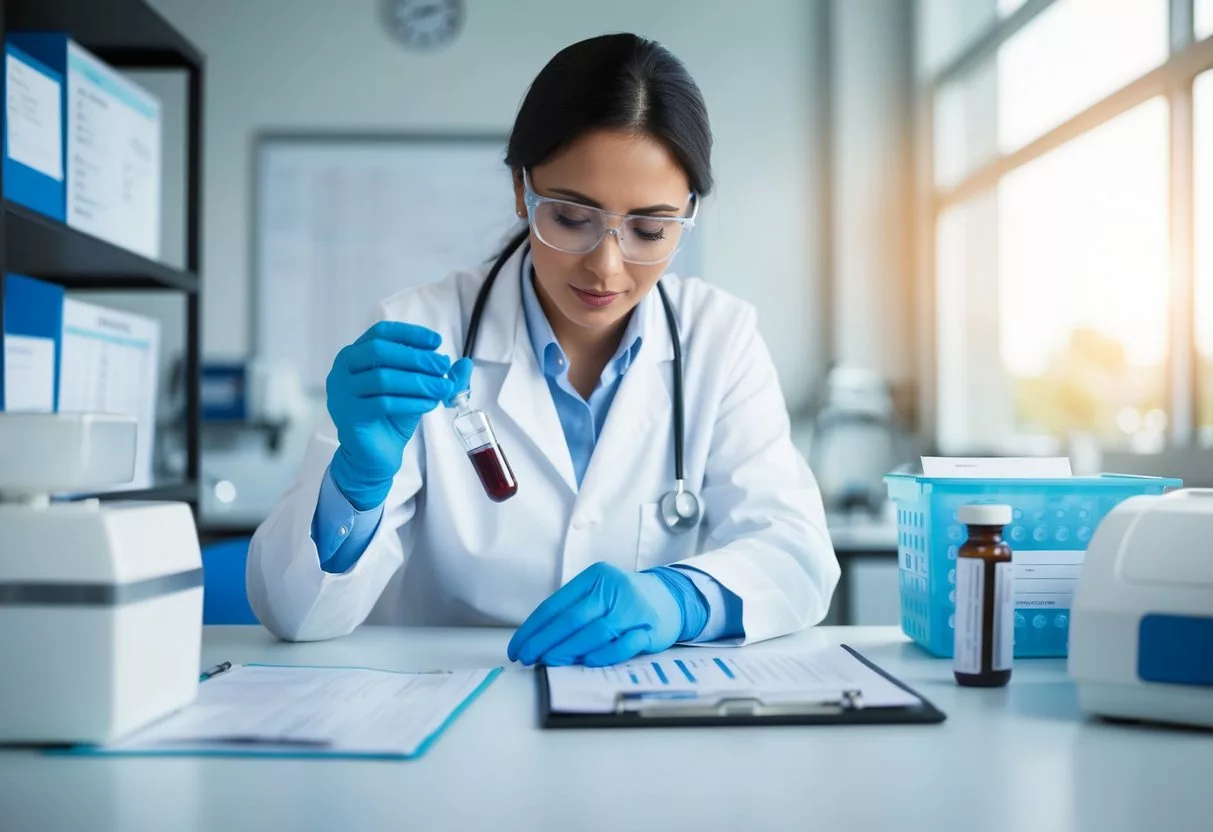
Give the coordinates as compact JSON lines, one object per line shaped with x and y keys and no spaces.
{"x":343,"y":222}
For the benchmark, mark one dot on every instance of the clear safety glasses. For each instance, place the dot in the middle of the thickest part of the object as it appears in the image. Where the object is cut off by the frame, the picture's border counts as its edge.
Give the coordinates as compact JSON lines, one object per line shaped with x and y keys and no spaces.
{"x":575,"y":228}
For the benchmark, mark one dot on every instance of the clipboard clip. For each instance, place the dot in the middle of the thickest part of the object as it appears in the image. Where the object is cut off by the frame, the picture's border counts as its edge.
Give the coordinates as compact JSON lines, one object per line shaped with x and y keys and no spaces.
{"x":690,"y":703}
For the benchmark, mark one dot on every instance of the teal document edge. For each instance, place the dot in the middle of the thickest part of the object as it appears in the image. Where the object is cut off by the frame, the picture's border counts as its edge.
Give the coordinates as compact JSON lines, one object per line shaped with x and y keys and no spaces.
{"x":102,"y":751}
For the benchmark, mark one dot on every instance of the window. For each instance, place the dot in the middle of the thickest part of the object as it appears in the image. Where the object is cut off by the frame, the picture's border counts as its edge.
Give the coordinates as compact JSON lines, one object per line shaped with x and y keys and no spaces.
{"x":1054,"y":266}
{"x":947,"y":25}
{"x":1073,"y":54}
{"x":1203,"y":226}
{"x":1055,"y":323}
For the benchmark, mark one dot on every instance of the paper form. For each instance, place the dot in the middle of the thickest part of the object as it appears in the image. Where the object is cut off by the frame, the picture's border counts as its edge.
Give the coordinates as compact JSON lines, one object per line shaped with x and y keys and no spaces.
{"x":29,"y":374}
{"x":113,"y":155}
{"x":329,"y":709}
{"x":996,"y":467}
{"x":34,"y":118}
{"x":108,"y":365}
{"x":772,"y":676}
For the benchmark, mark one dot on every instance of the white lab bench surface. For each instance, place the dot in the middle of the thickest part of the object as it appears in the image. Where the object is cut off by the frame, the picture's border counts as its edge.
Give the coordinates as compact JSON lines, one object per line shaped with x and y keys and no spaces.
{"x":1019,"y":758}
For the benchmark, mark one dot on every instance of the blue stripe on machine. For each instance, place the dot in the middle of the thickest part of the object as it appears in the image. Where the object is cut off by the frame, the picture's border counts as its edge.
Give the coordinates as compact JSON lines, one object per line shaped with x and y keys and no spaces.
{"x":1175,"y":649}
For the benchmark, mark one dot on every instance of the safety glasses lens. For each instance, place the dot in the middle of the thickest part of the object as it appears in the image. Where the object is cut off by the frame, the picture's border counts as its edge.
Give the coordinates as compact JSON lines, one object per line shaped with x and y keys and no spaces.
{"x":578,"y":229}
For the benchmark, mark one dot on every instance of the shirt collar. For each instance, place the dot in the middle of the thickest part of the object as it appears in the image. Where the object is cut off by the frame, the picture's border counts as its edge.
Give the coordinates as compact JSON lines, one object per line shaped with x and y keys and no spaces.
{"x":547,"y":349}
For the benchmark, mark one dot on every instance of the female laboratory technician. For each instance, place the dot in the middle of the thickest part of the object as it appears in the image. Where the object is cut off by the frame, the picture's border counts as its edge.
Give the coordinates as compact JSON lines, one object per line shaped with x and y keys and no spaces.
{"x":659,"y":497}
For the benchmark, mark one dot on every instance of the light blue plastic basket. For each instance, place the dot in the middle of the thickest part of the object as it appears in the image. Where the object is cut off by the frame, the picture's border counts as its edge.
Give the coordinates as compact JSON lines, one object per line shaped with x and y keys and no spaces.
{"x":1048,"y":514}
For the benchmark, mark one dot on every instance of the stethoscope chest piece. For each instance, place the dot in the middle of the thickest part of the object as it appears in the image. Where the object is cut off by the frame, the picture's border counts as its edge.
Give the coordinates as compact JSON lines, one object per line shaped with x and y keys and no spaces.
{"x":680,"y":509}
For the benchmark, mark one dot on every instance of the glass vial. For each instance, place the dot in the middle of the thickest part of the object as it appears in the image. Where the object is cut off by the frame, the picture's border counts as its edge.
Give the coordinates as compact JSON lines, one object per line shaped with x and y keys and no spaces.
{"x":476,"y":433}
{"x":985,"y":599}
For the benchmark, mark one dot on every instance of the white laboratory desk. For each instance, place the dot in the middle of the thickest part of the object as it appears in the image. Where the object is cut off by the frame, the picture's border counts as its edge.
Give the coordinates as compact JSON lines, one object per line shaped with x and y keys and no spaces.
{"x":1019,"y":758}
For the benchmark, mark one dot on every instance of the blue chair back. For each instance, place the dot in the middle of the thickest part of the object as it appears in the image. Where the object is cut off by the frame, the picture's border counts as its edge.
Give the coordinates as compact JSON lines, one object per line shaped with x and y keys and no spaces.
{"x":225,"y":600}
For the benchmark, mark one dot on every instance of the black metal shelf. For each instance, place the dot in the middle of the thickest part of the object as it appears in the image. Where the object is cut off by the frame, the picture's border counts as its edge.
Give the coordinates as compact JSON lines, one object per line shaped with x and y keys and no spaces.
{"x":185,"y":492}
{"x":213,"y":532}
{"x":109,"y":27}
{"x":41,"y":247}
{"x":127,"y":34}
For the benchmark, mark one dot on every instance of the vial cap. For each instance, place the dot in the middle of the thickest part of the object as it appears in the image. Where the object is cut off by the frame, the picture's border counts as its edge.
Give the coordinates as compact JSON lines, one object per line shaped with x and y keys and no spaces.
{"x":984,"y":514}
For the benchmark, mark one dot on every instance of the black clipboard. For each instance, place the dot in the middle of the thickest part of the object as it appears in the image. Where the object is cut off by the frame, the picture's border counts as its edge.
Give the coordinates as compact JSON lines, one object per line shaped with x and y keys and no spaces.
{"x":846,"y":711}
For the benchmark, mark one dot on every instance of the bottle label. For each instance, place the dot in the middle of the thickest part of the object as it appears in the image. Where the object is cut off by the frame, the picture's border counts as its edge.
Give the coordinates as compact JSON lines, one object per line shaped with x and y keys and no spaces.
{"x":969,"y":640}
{"x":970,"y":604}
{"x":1004,"y":617}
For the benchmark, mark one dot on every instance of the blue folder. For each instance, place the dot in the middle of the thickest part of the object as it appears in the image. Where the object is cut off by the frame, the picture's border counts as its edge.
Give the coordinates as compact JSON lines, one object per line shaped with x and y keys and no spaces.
{"x":32,"y":308}
{"x":276,"y":750}
{"x":23,"y":184}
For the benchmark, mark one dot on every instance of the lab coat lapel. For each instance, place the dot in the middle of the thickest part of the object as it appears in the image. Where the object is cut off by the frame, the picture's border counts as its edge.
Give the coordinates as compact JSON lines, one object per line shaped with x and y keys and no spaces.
{"x":644,"y":398}
{"x":524,"y":396}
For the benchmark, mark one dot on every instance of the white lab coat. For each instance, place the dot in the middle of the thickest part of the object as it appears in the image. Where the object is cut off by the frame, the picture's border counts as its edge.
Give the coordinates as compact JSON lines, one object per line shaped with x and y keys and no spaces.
{"x":444,"y":554}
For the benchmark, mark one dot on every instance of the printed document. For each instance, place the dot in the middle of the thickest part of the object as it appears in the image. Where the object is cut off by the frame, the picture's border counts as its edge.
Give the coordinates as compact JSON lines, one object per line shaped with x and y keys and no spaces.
{"x":996,"y":467}
{"x":321,"y":710}
{"x":29,"y":374}
{"x":34,"y":118}
{"x":770,"y":676}
{"x":110,"y":364}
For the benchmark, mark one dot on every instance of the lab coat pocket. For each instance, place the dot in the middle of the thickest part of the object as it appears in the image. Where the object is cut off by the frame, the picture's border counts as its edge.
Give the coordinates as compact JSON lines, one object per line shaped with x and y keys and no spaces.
{"x":656,"y":545}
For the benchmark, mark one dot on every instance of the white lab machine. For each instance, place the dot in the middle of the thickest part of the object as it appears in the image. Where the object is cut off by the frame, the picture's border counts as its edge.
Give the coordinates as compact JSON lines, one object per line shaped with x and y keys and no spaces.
{"x":100,"y":602}
{"x":1141,"y":631}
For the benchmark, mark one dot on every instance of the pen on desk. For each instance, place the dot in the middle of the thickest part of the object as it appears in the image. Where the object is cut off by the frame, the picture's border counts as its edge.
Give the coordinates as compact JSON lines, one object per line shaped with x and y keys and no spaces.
{"x":645,"y":695}
{"x":214,"y":671}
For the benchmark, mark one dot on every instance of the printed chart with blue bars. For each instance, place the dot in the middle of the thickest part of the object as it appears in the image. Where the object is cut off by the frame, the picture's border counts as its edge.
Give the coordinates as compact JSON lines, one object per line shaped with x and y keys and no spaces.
{"x":772,"y":675}
{"x":708,"y":671}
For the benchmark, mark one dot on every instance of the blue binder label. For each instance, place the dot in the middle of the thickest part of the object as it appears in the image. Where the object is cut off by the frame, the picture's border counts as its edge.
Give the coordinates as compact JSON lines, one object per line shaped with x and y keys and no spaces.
{"x":32,"y":339}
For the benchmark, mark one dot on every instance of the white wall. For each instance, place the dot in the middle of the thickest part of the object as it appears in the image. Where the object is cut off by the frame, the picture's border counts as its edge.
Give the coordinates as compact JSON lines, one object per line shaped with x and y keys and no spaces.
{"x":872,"y":83}
{"x":330,"y":65}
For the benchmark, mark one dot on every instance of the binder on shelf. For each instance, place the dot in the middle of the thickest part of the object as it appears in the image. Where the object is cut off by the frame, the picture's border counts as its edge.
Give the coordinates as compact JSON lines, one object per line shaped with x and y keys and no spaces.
{"x":112,"y":144}
{"x":33,"y":134}
{"x":33,"y":341}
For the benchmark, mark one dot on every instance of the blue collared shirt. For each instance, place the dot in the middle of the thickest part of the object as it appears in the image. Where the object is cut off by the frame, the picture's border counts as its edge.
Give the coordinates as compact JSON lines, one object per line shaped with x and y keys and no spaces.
{"x":342,"y":532}
{"x":581,"y":419}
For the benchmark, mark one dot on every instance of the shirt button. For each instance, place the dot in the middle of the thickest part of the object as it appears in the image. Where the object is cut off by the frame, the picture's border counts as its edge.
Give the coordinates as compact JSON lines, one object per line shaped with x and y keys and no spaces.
{"x":343,"y":531}
{"x":579,"y":524}
{"x":559,"y":362}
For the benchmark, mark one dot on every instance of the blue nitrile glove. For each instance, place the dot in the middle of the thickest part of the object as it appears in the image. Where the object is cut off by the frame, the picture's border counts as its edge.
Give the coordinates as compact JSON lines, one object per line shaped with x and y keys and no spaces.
{"x":378,"y":389}
{"x":606,"y":615}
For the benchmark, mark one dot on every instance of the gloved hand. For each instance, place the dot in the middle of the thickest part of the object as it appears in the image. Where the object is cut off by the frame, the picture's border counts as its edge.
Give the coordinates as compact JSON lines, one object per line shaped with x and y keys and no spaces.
{"x":378,"y":389}
{"x":606,"y":615}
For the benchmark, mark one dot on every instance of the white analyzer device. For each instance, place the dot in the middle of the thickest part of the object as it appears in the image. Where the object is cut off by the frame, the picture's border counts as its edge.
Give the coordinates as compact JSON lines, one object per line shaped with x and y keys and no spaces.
{"x":1141,"y":628}
{"x":100,"y":602}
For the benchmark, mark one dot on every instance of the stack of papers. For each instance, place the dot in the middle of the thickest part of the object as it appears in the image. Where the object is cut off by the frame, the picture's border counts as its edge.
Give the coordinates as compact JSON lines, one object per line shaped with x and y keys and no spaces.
{"x":966,"y":467}
{"x":773,"y":677}
{"x":262,"y":709}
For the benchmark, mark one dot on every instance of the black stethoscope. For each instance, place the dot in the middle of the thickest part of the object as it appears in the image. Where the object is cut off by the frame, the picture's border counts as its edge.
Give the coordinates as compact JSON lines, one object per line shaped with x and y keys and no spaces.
{"x":680,"y":508}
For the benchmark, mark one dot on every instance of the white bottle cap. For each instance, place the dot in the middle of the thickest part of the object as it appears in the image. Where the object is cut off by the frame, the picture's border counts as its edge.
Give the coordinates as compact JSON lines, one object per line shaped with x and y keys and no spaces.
{"x":984,"y":514}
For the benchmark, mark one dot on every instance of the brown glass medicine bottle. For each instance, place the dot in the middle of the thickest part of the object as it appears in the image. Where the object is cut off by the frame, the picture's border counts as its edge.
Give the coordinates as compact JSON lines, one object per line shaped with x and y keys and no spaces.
{"x":985,"y":599}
